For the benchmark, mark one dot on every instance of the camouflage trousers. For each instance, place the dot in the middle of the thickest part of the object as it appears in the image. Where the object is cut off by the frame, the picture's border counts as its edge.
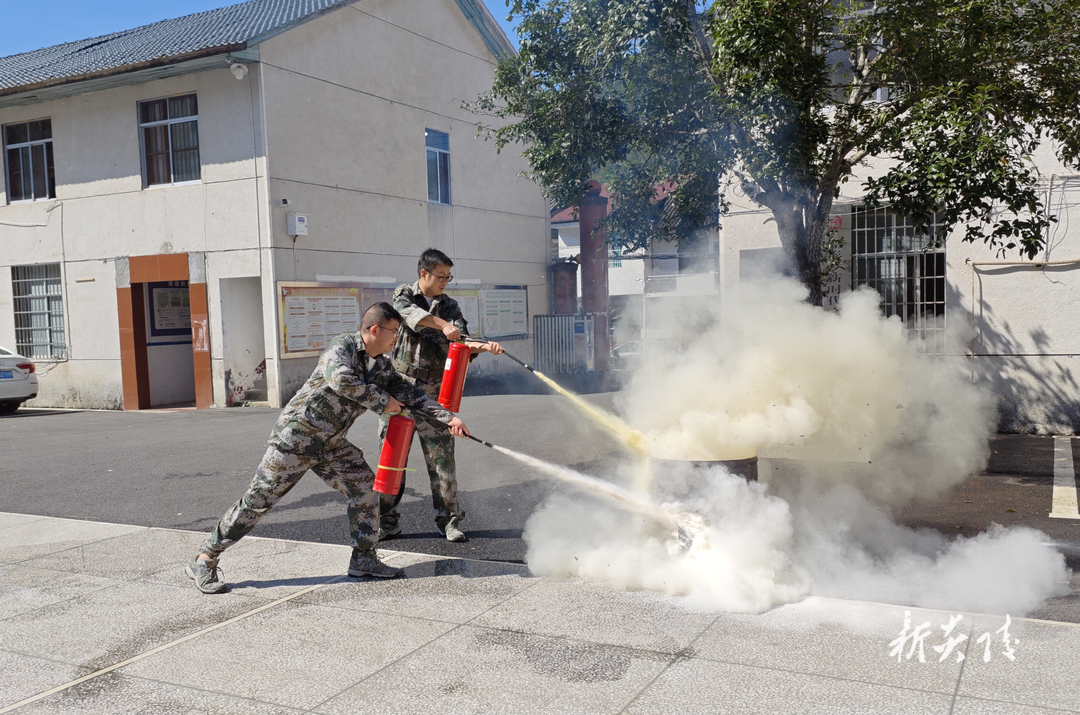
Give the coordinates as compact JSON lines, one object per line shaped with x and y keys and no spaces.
{"x":342,"y":467}
{"x":438,"y":447}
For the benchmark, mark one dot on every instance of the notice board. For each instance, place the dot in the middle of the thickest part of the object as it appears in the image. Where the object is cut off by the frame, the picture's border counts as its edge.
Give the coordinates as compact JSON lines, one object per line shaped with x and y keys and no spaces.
{"x":505,"y":312}
{"x":170,"y":308}
{"x":313,"y":314}
{"x":468,"y":299}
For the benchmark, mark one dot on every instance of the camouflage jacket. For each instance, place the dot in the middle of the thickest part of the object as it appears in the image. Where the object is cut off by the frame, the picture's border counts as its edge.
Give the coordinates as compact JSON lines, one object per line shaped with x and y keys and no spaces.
{"x":341,"y":389}
{"x":421,"y":352}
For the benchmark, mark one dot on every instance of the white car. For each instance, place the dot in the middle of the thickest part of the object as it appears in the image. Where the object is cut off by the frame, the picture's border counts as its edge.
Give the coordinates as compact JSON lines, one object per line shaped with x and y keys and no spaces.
{"x":18,"y":381}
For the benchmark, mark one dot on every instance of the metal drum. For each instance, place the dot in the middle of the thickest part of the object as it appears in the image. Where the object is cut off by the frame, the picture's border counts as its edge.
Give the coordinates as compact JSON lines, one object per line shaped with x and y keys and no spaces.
{"x":745,"y":468}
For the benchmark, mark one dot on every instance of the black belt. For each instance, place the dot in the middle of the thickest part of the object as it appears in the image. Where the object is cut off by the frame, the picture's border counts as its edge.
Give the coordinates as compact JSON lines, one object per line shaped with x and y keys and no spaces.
{"x":420,"y":373}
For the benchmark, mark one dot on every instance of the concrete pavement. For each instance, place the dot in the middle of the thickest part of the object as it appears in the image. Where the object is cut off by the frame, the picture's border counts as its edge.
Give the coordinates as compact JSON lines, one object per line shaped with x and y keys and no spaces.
{"x":99,"y":618}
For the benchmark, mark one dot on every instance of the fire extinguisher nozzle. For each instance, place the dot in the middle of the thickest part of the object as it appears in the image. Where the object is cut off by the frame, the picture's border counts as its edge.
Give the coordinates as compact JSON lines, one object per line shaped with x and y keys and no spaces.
{"x":477,"y":439}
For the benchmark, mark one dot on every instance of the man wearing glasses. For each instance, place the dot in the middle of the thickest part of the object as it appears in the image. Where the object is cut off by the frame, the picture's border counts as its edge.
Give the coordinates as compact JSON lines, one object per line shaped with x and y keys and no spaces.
{"x":430,"y":321}
{"x":352,"y":377}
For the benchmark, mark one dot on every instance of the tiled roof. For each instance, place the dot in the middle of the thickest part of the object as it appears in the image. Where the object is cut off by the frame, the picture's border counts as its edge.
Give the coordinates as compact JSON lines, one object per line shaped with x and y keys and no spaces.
{"x":228,"y":27}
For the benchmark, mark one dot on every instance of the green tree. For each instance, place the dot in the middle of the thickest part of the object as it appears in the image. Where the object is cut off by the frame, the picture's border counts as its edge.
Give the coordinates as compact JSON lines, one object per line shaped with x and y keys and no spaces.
{"x":785,"y":97}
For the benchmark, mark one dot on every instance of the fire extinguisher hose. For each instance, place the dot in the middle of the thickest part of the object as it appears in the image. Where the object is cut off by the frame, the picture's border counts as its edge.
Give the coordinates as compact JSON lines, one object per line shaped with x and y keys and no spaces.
{"x":517,"y":360}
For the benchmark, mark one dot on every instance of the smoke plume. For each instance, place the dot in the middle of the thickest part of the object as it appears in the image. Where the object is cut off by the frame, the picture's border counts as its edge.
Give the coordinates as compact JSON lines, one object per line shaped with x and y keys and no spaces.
{"x":861,"y":420}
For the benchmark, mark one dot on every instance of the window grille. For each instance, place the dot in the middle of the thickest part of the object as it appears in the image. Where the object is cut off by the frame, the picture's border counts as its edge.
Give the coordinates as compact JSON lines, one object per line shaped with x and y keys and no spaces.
{"x":169,"y":132}
{"x":39,"y":311}
{"x":438,"y":166}
{"x":906,"y":268}
{"x":31,"y":171}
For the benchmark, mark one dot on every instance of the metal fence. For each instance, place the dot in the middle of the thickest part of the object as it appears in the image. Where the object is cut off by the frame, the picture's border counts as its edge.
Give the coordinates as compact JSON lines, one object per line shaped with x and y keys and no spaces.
{"x":563,"y":343}
{"x":39,"y":311}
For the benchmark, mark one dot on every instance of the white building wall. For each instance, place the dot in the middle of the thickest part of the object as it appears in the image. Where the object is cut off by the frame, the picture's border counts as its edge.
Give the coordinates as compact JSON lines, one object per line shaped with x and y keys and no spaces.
{"x":1011,"y":323}
{"x":332,"y":121}
{"x":1018,"y":324}
{"x":102,"y":212}
{"x":243,"y":341}
{"x":349,"y":96}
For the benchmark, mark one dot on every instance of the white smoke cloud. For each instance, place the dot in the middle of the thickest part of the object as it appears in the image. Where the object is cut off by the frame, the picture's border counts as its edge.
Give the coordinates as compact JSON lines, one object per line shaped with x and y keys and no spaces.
{"x":759,"y":552}
{"x":846,"y":384}
{"x":872,"y":422}
{"x":746,"y":567}
{"x":852,"y":549}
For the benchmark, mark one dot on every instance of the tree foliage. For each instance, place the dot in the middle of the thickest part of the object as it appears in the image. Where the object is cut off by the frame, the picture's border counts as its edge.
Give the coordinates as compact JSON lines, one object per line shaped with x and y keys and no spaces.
{"x":785,"y":98}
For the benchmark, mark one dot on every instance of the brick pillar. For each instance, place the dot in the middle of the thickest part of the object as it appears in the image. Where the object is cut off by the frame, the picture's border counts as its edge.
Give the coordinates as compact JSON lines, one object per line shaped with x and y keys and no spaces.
{"x":133,"y":359}
{"x":200,"y":347}
{"x":594,"y":269}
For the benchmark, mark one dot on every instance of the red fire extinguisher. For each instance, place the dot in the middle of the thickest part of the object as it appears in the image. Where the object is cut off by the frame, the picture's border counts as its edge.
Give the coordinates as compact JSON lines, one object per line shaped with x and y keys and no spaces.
{"x":395,"y":452}
{"x":453,"y":377}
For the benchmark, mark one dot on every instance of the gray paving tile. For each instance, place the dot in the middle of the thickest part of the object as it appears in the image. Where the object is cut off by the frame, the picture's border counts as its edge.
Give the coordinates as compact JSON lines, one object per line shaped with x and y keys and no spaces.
{"x":263,"y":568}
{"x":1042,"y":674}
{"x":295,"y":655}
{"x":843,"y":639}
{"x":701,"y":686}
{"x":114,"y":694}
{"x":129,"y":557}
{"x":25,"y":588}
{"x":25,"y":676}
{"x":107,"y":626}
{"x":479,"y":670}
{"x":973,"y":706}
{"x":46,"y":535}
{"x":443,"y":589}
{"x":576,"y":608}
{"x":9,"y":519}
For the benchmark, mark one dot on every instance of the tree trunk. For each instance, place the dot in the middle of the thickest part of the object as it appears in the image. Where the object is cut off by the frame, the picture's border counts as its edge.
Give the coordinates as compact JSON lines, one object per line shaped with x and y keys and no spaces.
{"x":801,"y":222}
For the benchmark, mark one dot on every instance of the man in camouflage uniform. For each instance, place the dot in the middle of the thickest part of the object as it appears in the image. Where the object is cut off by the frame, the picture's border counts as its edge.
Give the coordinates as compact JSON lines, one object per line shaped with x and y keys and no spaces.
{"x":352,"y":377}
{"x":431,"y":320}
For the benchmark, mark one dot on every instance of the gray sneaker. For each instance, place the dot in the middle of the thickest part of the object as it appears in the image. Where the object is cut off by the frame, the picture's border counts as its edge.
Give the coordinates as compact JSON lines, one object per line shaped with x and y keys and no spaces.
{"x":206,"y":576}
{"x":366,"y":563}
{"x":451,"y":530}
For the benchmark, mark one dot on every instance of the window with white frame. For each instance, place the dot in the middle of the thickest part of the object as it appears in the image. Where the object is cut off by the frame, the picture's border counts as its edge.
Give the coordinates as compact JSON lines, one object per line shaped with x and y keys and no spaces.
{"x":438,"y":166}
{"x":169,"y":135}
{"x":39,"y":311}
{"x":905,"y":267}
{"x":28,"y":151}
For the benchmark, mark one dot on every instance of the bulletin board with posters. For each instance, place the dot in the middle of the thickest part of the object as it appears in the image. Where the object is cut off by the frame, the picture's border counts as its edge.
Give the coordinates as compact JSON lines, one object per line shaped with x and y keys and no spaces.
{"x":312,"y":314}
{"x":505,"y":312}
{"x":468,"y":299}
{"x":170,"y":309}
{"x":494,"y":311}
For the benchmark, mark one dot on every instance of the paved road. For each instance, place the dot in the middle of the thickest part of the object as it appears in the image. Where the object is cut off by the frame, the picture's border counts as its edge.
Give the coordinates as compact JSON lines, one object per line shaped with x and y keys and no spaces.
{"x":183,"y":469}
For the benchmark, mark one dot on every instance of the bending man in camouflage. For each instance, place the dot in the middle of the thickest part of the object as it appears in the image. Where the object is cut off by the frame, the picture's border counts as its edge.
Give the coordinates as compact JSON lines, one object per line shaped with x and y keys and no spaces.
{"x":351,"y":378}
{"x":431,"y":320}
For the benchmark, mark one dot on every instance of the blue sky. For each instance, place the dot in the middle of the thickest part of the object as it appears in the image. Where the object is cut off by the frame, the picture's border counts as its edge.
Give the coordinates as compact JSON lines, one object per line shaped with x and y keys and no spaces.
{"x":29,"y":25}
